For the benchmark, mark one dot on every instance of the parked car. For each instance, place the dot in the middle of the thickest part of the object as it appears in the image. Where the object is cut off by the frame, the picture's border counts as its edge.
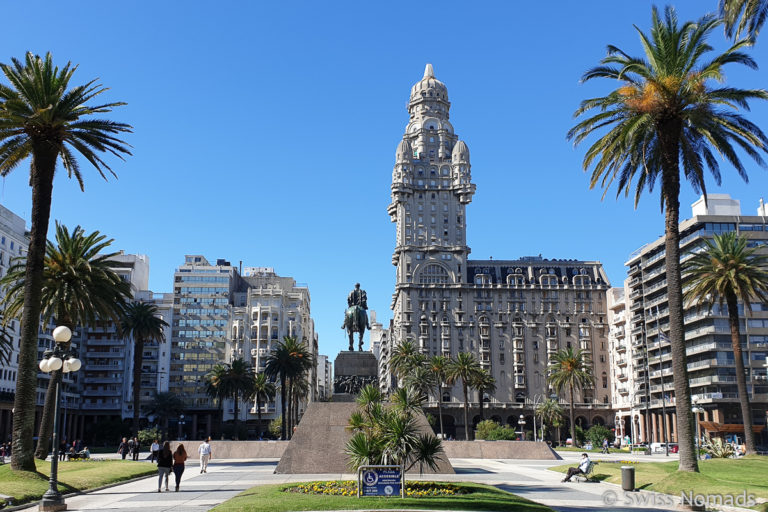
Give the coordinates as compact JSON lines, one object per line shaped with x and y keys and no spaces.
{"x":659,"y":448}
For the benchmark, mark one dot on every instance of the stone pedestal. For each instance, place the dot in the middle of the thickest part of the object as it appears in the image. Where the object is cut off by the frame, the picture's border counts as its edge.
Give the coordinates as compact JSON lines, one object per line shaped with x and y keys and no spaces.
{"x":353,"y":371}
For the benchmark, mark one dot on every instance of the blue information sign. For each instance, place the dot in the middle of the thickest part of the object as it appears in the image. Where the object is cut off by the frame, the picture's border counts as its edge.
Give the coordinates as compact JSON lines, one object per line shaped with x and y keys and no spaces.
{"x":381,"y":482}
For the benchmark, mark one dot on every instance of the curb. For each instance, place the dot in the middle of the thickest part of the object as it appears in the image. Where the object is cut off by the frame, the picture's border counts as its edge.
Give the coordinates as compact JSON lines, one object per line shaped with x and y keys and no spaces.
{"x":80,"y":493}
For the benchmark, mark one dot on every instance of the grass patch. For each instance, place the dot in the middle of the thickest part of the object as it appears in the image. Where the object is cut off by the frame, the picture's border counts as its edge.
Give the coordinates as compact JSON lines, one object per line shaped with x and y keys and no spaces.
{"x":716,"y":476}
{"x":593,"y":450}
{"x":26,"y":486}
{"x":470,"y":496}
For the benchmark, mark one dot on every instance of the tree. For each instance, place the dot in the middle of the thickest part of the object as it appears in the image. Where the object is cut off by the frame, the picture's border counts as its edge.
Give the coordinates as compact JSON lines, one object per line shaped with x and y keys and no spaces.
{"x":141,"y":321}
{"x":463,"y":368}
{"x":570,"y":370}
{"x":438,"y":365}
{"x":728,"y":271}
{"x":484,"y":383}
{"x":287,"y":359}
{"x":263,"y":391}
{"x":404,"y":357}
{"x":667,"y":117}
{"x":80,"y":287}
{"x":551,"y":413}
{"x":215,"y":387}
{"x":232,"y":381}
{"x":743,"y":16}
{"x":420,"y":379}
{"x":164,"y":406}
{"x":41,"y":118}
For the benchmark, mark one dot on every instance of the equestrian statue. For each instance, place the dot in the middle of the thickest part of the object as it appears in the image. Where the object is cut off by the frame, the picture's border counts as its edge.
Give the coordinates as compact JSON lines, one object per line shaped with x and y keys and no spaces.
{"x":356,"y":317}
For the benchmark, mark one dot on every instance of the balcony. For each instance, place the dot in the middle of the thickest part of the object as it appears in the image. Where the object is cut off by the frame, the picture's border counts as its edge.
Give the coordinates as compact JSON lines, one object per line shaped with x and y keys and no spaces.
{"x":104,"y":367}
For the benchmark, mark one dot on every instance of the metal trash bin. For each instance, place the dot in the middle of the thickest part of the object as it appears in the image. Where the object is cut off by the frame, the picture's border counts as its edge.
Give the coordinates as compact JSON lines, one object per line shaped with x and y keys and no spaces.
{"x":628,"y":478}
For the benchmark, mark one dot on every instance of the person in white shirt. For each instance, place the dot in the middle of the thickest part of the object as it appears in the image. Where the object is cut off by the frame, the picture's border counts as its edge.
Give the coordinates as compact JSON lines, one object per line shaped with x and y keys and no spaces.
{"x":580,"y":470}
{"x":205,"y":454}
{"x":155,"y":450}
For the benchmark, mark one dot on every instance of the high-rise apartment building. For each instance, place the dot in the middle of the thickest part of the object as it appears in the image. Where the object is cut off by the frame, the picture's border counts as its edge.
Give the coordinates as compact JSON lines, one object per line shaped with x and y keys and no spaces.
{"x":267,"y":308}
{"x":711,"y":369}
{"x":622,"y":378}
{"x":324,"y":378}
{"x":201,"y":314}
{"x":512,"y":314}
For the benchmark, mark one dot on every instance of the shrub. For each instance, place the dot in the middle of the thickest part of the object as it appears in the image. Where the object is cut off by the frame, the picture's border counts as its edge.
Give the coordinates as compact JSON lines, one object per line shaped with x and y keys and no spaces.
{"x":717,"y":448}
{"x":275,"y":426}
{"x":597,"y":433}
{"x":505,"y":433}
{"x":484,"y":429}
{"x":581,"y":436}
{"x":148,"y":435}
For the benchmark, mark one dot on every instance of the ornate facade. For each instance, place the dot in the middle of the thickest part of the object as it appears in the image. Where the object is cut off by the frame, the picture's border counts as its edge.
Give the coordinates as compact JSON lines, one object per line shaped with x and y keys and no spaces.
{"x":512,"y":314}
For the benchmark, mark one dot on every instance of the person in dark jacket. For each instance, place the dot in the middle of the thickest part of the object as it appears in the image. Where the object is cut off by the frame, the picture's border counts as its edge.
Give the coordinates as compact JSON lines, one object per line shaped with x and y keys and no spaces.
{"x":135,"y":448}
{"x":164,"y":464}
{"x":123,"y":449}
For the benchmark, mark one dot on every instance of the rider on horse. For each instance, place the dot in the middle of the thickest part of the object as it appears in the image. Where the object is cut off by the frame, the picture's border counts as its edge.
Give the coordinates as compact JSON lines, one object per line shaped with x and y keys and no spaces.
{"x":356,"y":318}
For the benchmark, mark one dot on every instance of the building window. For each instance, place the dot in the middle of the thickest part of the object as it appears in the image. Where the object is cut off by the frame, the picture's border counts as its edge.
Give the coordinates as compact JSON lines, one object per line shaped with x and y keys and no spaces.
{"x":433,"y":274}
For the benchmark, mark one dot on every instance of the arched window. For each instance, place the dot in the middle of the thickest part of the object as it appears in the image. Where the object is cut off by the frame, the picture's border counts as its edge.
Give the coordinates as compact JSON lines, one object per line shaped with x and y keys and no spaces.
{"x":433,"y":274}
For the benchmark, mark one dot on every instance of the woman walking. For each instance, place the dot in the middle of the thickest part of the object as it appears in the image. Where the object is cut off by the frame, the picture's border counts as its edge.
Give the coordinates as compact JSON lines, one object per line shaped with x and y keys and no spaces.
{"x":179,"y":456}
{"x":164,"y":463}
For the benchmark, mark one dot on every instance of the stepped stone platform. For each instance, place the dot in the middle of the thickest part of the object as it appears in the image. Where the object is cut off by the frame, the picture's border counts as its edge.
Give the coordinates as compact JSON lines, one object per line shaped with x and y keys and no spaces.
{"x":318,"y":443}
{"x":236,"y":449}
{"x":499,"y":450}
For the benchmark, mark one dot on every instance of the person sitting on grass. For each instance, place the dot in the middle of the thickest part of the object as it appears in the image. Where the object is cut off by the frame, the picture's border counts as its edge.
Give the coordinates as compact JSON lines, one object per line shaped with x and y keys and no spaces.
{"x":85,"y":453}
{"x":581,"y":469}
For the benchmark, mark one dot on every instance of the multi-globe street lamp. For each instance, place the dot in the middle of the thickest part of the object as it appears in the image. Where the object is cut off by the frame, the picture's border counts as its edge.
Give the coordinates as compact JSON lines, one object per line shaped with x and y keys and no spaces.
{"x":63,"y":358}
{"x":697,"y":409}
{"x":521,"y":424}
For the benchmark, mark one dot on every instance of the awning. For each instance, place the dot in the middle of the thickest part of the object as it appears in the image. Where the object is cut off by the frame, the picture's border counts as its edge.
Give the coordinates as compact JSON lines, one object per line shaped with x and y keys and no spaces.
{"x":728,"y":428}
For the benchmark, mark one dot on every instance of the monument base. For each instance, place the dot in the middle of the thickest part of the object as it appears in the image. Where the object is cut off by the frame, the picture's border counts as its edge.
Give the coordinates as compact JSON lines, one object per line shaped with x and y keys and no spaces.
{"x":352,"y":372}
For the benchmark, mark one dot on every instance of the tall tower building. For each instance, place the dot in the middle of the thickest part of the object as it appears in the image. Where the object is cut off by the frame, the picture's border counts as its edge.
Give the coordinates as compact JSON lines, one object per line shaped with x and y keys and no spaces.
{"x":511,"y":314}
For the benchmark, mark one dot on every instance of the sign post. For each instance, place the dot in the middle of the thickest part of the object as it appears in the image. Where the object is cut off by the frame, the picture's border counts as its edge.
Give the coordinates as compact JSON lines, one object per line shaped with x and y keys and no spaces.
{"x":381,"y":480}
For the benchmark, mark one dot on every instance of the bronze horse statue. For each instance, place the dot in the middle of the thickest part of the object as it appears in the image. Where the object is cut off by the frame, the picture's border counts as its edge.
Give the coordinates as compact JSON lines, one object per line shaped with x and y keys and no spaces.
{"x":355,"y":321}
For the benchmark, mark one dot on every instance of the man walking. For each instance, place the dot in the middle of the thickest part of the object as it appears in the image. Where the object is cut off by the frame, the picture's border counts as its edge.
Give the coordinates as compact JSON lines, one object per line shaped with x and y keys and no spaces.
{"x":205,"y":454}
{"x":155,"y":449}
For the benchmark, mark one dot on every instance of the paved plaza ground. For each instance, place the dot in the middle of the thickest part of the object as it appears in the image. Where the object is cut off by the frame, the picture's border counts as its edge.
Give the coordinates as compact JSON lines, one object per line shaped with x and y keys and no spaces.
{"x":226,"y":478}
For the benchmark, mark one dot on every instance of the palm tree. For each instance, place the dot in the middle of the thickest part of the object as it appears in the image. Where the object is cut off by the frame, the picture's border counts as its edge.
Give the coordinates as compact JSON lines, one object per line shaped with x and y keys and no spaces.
{"x":438,"y":366}
{"x":404,"y":357}
{"x":6,"y":343}
{"x":743,"y":16}
{"x":263,"y":391}
{"x":41,"y":118}
{"x":286,"y":361}
{"x":484,"y":383}
{"x":551,"y":413}
{"x":239,"y":380}
{"x":79,"y":287}
{"x":570,"y":370}
{"x":730,"y":271}
{"x":420,"y":379}
{"x":667,"y":115}
{"x":164,"y":406}
{"x":463,"y":368}
{"x":216,"y":387}
{"x":142,"y":322}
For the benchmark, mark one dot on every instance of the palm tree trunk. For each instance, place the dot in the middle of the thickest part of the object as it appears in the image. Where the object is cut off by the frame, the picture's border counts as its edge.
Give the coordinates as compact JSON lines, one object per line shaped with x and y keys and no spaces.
{"x":258,"y":413}
{"x":237,"y":415}
{"x":42,"y":169}
{"x":741,"y":380}
{"x":282,"y":406}
{"x":138,"y":358}
{"x":669,"y":133}
{"x":440,"y":409}
{"x":573,"y":425}
{"x":466,"y":410}
{"x":46,"y":421}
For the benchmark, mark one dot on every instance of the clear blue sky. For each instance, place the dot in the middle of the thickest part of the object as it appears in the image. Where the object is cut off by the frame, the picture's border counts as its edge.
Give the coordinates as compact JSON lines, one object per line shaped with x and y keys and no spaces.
{"x":267,"y":132}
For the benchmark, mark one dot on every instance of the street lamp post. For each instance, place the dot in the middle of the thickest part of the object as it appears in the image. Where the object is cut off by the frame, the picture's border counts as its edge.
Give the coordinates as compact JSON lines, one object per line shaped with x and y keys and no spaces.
{"x":696,"y":409}
{"x":60,"y":358}
{"x":181,"y":423}
{"x":521,"y":424}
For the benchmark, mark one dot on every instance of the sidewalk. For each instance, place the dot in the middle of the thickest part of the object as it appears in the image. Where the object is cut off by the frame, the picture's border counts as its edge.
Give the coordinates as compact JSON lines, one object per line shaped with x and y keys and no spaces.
{"x":225,"y":479}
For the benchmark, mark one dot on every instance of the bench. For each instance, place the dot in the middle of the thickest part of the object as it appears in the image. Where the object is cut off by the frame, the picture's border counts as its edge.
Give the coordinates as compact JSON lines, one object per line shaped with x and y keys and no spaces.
{"x":588,"y":474}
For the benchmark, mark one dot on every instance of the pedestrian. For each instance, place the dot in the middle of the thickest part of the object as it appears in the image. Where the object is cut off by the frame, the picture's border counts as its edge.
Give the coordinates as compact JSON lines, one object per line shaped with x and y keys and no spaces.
{"x":605,"y":445}
{"x":155,"y":448}
{"x":164,"y":464}
{"x":136,"y":448}
{"x":179,"y":456}
{"x":63,"y":450}
{"x":205,"y":454}
{"x":123,"y":449}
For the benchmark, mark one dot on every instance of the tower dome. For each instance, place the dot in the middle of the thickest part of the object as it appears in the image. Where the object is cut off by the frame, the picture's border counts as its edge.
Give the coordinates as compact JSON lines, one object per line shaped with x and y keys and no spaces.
{"x":429,"y":87}
{"x":460,"y":152}
{"x":404,"y":152}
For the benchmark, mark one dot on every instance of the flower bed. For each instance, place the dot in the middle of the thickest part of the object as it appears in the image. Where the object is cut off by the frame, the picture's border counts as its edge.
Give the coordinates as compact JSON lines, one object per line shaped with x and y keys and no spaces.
{"x":349,"y":488}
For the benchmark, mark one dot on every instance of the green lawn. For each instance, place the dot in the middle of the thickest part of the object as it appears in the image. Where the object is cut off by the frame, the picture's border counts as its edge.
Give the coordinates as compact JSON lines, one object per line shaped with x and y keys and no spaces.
{"x":25,"y":486}
{"x":273,"y":498}
{"x":593,"y":450}
{"x":717,"y":476}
